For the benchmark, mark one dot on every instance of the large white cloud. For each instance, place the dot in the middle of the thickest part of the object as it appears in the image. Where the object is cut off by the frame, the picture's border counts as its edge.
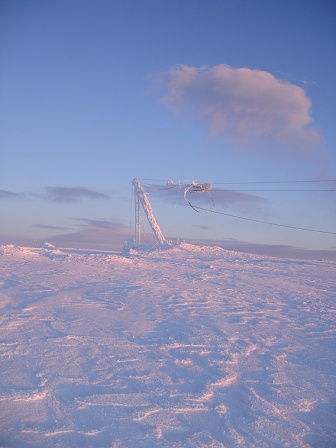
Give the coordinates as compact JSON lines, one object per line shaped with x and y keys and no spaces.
{"x":242,"y":102}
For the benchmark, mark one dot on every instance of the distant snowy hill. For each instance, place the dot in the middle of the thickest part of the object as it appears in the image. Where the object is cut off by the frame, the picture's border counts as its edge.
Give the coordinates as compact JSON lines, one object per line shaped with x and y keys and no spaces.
{"x":187,"y":347}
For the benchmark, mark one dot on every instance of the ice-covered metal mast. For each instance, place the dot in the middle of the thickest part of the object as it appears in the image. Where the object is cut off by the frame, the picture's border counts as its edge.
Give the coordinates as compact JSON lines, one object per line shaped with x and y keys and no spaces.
{"x":141,"y":198}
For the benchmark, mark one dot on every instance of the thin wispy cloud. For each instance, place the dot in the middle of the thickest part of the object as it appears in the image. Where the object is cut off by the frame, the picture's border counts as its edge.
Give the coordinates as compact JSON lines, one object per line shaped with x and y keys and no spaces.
{"x":227,"y":197}
{"x":72,"y":194}
{"x":219,"y":197}
{"x":88,"y":233}
{"x":11,"y":195}
{"x":57,"y":194}
{"x":4,"y":194}
{"x":49,"y":227}
{"x":272,"y":250}
{"x":242,"y":102}
{"x":92,"y":238}
{"x":98,"y":224}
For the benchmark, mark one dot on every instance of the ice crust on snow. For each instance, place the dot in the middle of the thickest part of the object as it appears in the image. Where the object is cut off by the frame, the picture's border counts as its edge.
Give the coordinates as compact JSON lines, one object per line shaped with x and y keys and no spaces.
{"x":185,"y":347}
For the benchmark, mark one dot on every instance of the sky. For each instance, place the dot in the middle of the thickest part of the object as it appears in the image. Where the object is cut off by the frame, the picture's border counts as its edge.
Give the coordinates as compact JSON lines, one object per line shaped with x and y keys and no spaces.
{"x":239,"y":94}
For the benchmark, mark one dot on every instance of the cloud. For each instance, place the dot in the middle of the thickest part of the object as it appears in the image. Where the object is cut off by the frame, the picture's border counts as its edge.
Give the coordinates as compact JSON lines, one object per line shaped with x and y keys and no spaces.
{"x":48,"y":227}
{"x":201,"y":227}
{"x":57,"y":194}
{"x":226,"y":198}
{"x":72,"y":194}
{"x":101,"y":224}
{"x":244,"y":103}
{"x":4,"y":194}
{"x":92,"y":238}
{"x":93,"y":234}
{"x":271,"y":250}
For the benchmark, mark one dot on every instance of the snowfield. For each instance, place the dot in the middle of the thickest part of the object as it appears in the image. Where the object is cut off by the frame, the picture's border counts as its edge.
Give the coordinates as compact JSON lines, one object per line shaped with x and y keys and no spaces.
{"x":186,"y":347}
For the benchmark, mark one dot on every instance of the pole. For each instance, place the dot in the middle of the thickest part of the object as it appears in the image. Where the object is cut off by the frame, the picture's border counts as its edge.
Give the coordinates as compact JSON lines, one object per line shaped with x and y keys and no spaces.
{"x":141,"y":197}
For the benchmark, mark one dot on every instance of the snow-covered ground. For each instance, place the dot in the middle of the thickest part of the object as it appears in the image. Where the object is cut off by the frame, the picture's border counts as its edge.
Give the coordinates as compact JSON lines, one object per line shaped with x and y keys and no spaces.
{"x":187,"y":347}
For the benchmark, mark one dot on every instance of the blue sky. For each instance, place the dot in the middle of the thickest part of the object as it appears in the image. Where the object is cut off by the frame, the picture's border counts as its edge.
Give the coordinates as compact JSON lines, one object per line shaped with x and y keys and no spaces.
{"x":95,"y":93}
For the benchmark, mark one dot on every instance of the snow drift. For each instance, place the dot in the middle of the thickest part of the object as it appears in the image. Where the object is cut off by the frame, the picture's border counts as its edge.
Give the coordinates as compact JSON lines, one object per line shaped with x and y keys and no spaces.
{"x":188,"y":347}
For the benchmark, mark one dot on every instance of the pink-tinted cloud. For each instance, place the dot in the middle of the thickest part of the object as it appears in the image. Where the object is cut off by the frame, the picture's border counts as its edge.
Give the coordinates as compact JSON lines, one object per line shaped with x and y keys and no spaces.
{"x":93,"y":234}
{"x":243,"y":103}
{"x":92,"y":238}
{"x":89,"y":233}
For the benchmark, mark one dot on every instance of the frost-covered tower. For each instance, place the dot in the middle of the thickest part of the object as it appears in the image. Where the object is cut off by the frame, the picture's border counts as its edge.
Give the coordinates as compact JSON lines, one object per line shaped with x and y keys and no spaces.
{"x":141,"y":198}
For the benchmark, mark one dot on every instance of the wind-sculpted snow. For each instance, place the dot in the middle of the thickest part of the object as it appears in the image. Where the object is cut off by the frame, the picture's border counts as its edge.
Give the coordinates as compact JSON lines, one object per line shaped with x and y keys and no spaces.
{"x":188,"y":347}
